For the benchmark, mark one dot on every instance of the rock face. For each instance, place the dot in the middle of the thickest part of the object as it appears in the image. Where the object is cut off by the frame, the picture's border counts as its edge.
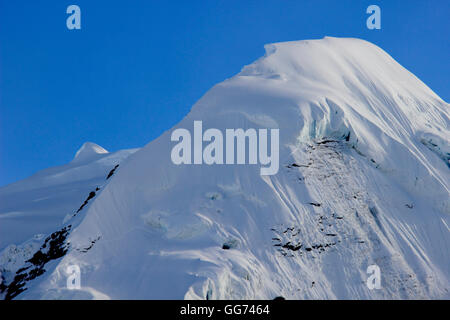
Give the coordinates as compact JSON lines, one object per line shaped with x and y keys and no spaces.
{"x":363,"y":180}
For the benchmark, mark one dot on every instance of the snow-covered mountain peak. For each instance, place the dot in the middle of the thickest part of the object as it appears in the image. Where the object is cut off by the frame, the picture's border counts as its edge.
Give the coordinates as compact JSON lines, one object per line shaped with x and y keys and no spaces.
{"x":334,"y":61}
{"x":339,"y":88}
{"x":88,"y":151}
{"x":363,"y":180}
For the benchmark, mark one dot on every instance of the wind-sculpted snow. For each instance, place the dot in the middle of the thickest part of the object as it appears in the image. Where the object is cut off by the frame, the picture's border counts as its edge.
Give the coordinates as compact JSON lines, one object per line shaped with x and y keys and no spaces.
{"x":363,"y":180}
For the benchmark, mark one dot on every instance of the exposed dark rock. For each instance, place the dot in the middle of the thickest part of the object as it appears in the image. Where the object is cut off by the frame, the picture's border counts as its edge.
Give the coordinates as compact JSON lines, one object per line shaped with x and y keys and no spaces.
{"x":230,"y":244}
{"x":84,"y":250}
{"x":54,"y":247}
{"x":110,"y":174}
{"x":326,"y":141}
{"x":295,"y":165}
{"x":293,"y":247}
{"x":2,"y":284}
{"x":90,"y":196}
{"x":315,"y":204}
{"x":347,"y":137}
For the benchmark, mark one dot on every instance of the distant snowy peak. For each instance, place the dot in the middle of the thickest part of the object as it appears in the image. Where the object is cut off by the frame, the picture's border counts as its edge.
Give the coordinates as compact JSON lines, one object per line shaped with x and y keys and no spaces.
{"x":87,"y":151}
{"x":47,"y":196}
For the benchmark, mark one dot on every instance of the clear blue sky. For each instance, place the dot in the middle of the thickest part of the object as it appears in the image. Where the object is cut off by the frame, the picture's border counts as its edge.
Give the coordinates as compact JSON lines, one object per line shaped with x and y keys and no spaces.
{"x":136,"y":67}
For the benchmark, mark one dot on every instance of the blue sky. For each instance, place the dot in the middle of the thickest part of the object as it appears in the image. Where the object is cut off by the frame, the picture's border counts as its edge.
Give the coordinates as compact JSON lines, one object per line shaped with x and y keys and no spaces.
{"x":136,"y":67}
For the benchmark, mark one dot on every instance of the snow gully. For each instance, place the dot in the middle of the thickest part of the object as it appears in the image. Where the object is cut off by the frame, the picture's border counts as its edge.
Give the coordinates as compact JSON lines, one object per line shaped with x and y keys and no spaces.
{"x":213,"y":153}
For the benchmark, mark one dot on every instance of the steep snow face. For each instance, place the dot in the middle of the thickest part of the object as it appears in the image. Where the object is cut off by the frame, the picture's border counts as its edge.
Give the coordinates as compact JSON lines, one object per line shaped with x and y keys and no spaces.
{"x":363,"y":180}
{"x":38,"y":204}
{"x":33,"y":211}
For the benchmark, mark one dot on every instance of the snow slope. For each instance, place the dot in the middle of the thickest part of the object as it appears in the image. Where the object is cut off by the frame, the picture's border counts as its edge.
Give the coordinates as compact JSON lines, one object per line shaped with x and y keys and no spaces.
{"x":35,"y":207}
{"x":363,"y":179}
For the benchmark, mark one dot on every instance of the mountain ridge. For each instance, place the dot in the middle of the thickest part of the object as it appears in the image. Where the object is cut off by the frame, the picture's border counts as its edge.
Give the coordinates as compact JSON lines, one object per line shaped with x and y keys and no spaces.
{"x":363,"y":180}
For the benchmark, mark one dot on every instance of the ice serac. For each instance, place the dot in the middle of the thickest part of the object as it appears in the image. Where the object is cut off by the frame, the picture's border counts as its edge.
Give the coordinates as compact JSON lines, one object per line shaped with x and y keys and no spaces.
{"x":363,"y":180}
